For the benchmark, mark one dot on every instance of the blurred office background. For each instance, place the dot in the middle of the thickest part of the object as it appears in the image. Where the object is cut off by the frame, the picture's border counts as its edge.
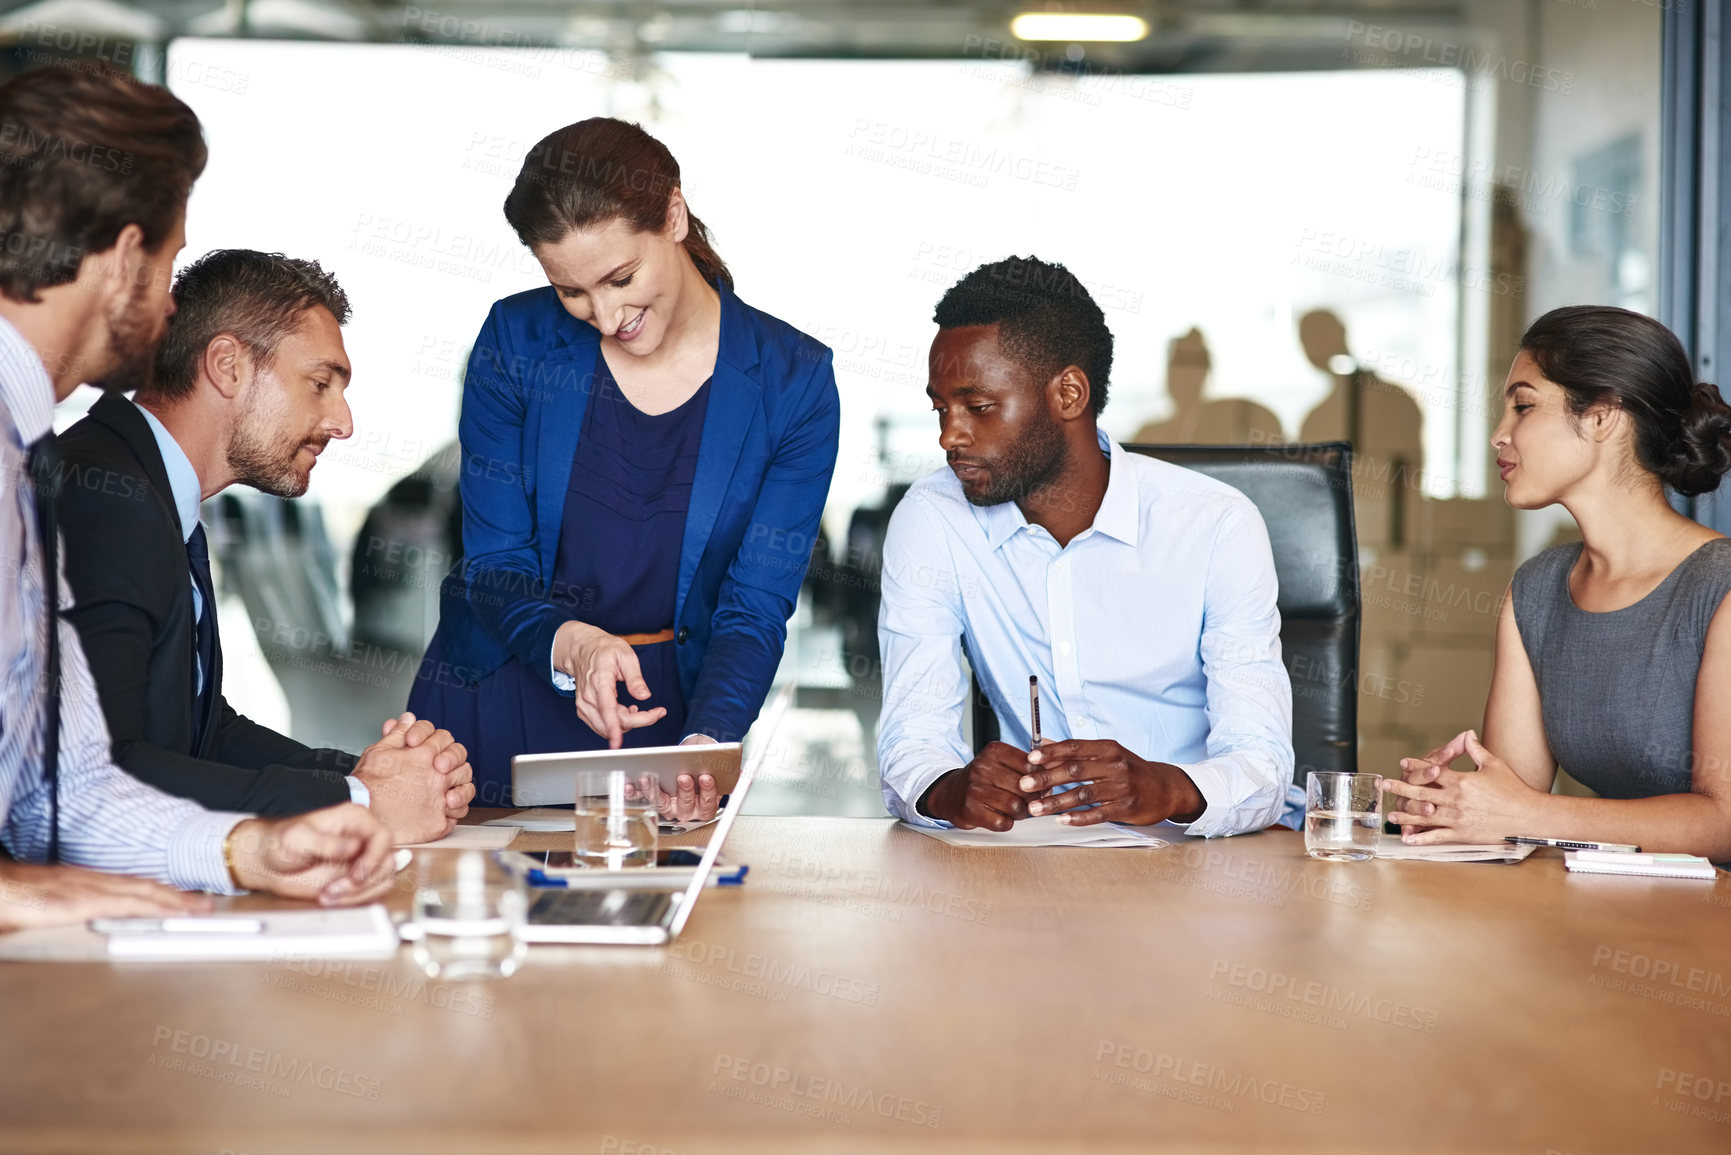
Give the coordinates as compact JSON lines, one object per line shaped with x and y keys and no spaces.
{"x":1304,"y":221}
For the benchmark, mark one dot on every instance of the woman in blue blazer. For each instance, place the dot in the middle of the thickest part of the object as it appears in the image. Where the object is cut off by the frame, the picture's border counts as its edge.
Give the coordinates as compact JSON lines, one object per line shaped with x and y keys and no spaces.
{"x":644,"y":461}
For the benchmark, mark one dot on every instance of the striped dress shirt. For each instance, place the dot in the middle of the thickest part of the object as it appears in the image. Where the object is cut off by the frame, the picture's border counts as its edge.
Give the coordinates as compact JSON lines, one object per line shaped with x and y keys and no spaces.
{"x":108,"y":819}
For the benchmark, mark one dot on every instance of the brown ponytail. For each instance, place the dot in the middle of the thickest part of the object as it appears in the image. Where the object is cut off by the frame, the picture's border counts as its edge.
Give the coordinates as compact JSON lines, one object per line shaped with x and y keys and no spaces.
{"x":599,"y":170}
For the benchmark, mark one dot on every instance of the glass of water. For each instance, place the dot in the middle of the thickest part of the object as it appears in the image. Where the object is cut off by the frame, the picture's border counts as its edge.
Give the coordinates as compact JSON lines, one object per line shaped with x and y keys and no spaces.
{"x":1342,"y":815}
{"x":617,"y":821}
{"x":468,"y":914}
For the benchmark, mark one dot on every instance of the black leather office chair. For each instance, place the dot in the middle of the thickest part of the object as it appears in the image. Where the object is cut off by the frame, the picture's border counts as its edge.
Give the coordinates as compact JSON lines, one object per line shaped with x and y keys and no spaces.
{"x":1304,"y":493}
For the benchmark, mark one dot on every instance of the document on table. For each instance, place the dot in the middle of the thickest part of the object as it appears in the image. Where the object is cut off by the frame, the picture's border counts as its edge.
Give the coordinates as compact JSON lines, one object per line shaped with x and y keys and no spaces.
{"x":471,"y":838}
{"x":359,"y":931}
{"x":1046,"y":830}
{"x":549,"y":820}
{"x":1393,"y":847}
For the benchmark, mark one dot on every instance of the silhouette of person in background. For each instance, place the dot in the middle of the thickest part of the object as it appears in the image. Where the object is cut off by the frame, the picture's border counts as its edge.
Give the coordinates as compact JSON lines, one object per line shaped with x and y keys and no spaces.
{"x":1384,"y":424}
{"x":1230,"y":421}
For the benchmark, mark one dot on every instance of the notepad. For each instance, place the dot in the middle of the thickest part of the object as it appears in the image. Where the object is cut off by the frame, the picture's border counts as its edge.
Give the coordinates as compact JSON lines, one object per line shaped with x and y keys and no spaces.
{"x":1648,"y":865}
{"x":1046,"y":830}
{"x":359,"y":931}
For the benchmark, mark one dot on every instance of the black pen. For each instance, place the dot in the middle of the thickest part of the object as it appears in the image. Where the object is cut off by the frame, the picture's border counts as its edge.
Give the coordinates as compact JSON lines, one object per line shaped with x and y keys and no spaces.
{"x":1570,"y":843}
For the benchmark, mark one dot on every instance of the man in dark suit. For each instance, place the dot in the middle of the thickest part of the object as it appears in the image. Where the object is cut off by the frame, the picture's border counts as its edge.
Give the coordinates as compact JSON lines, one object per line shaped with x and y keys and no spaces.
{"x":248,"y":387}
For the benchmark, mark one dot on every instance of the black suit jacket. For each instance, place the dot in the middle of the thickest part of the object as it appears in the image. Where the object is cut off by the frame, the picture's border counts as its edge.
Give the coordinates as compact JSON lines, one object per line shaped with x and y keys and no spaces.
{"x":127,"y":566}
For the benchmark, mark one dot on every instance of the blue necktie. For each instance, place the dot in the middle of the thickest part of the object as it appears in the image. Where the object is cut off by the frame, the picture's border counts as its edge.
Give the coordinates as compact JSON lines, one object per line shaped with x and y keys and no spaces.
{"x":204,"y":633}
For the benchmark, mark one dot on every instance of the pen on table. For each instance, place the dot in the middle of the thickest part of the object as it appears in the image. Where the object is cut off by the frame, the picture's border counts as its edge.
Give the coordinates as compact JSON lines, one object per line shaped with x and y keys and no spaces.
{"x":1034,"y":706}
{"x":1570,"y":844}
{"x":177,"y":925}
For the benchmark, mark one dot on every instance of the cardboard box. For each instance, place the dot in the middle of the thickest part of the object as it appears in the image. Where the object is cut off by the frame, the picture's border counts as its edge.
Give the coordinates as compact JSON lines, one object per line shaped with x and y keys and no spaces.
{"x":1463,"y":595}
{"x":1379,"y":683}
{"x":1457,"y":523}
{"x":1386,"y":613}
{"x":1441,"y":689}
{"x":1383,"y":755}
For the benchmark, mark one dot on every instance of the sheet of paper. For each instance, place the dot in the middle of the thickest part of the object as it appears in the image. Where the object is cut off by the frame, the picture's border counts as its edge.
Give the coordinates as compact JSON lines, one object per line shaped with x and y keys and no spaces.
{"x":1394,"y":848}
{"x":541,"y":819}
{"x":472,"y":838}
{"x":358,"y":931}
{"x":548,"y":820}
{"x":1046,"y":831}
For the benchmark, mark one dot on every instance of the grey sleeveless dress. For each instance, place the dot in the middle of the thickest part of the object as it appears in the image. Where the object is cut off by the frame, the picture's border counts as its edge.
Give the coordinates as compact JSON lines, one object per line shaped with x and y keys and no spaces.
{"x":1618,"y":688}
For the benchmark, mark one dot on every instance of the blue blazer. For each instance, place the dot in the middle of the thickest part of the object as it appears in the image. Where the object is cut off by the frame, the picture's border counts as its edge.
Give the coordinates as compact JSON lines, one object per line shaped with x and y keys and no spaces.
{"x":763,"y":473}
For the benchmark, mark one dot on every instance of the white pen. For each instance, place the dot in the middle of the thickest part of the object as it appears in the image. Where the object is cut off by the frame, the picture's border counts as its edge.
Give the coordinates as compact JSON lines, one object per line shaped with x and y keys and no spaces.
{"x":177,"y":925}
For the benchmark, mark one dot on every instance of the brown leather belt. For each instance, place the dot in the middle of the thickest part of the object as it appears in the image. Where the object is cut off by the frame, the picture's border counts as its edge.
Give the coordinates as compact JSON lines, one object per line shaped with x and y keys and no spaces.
{"x":649,"y":639}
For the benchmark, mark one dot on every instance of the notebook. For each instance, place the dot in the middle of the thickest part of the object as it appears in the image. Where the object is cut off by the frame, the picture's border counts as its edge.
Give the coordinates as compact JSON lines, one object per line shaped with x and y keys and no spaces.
{"x":1649,"y":865}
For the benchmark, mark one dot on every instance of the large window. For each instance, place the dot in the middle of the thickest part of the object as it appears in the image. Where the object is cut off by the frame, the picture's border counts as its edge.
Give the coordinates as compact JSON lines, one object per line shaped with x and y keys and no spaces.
{"x":1296,"y":255}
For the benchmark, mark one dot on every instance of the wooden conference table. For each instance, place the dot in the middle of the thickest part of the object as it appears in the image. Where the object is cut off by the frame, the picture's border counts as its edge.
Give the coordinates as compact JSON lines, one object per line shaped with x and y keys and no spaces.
{"x":870,"y":988}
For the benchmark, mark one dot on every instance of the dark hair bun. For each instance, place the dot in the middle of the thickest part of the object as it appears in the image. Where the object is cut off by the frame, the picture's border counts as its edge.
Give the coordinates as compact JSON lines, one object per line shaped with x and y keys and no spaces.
{"x":1703,"y":455}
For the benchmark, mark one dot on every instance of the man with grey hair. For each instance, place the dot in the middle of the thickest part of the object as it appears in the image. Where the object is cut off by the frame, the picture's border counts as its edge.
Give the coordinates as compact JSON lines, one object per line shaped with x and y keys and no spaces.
{"x":247,"y":387}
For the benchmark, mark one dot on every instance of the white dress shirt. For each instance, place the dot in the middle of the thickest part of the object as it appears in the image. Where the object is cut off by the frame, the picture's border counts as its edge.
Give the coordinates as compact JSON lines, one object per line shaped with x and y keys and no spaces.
{"x":109,"y":820}
{"x":1156,"y":626}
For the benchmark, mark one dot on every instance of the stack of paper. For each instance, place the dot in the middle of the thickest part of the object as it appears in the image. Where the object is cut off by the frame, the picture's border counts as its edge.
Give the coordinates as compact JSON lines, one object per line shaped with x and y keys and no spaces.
{"x":1046,"y":830}
{"x":1392,"y":847}
{"x":1652,"y":865}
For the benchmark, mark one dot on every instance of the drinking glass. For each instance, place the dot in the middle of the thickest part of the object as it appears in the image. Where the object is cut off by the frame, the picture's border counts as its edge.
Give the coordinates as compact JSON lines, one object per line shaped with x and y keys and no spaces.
{"x":1342,"y":815}
{"x":617,"y":822}
{"x":469,"y":913}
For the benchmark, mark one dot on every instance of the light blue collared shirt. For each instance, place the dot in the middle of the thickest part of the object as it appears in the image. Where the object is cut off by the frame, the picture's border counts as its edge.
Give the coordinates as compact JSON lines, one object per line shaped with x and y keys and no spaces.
{"x":188,"y":493}
{"x":1156,"y":626}
{"x":184,"y":487}
{"x":109,"y":820}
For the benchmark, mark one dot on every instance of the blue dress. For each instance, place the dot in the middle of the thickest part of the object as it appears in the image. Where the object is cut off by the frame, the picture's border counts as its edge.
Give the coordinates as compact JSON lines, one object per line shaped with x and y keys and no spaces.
{"x":616,"y":568}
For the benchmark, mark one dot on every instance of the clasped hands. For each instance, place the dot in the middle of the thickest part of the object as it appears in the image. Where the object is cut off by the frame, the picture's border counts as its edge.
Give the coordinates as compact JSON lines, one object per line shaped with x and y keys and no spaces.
{"x":418,"y":779}
{"x":1004,"y":784}
{"x":598,"y":662}
{"x":1435,"y":804}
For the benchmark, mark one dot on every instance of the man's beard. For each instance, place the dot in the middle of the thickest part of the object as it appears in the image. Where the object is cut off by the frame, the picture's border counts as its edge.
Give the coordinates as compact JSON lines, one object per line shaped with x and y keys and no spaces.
{"x":133,"y":334}
{"x":1031,"y":463}
{"x":263,"y":462}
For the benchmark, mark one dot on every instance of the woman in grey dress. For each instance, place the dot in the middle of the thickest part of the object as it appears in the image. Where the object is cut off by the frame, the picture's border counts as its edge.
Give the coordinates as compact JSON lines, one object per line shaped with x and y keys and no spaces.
{"x":1613,"y":658}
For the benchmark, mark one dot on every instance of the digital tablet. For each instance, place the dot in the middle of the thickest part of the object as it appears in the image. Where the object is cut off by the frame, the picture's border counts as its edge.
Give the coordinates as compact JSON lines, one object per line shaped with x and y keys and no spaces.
{"x":551,"y":779}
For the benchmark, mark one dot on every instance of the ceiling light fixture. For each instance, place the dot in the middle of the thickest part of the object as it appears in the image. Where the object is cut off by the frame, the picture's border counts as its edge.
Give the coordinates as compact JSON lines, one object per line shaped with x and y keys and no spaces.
{"x":1078,"y":26}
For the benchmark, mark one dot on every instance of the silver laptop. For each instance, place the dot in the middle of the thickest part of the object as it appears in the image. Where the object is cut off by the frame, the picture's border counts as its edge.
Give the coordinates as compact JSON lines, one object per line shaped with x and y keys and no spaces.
{"x":638,"y":916}
{"x":551,"y":779}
